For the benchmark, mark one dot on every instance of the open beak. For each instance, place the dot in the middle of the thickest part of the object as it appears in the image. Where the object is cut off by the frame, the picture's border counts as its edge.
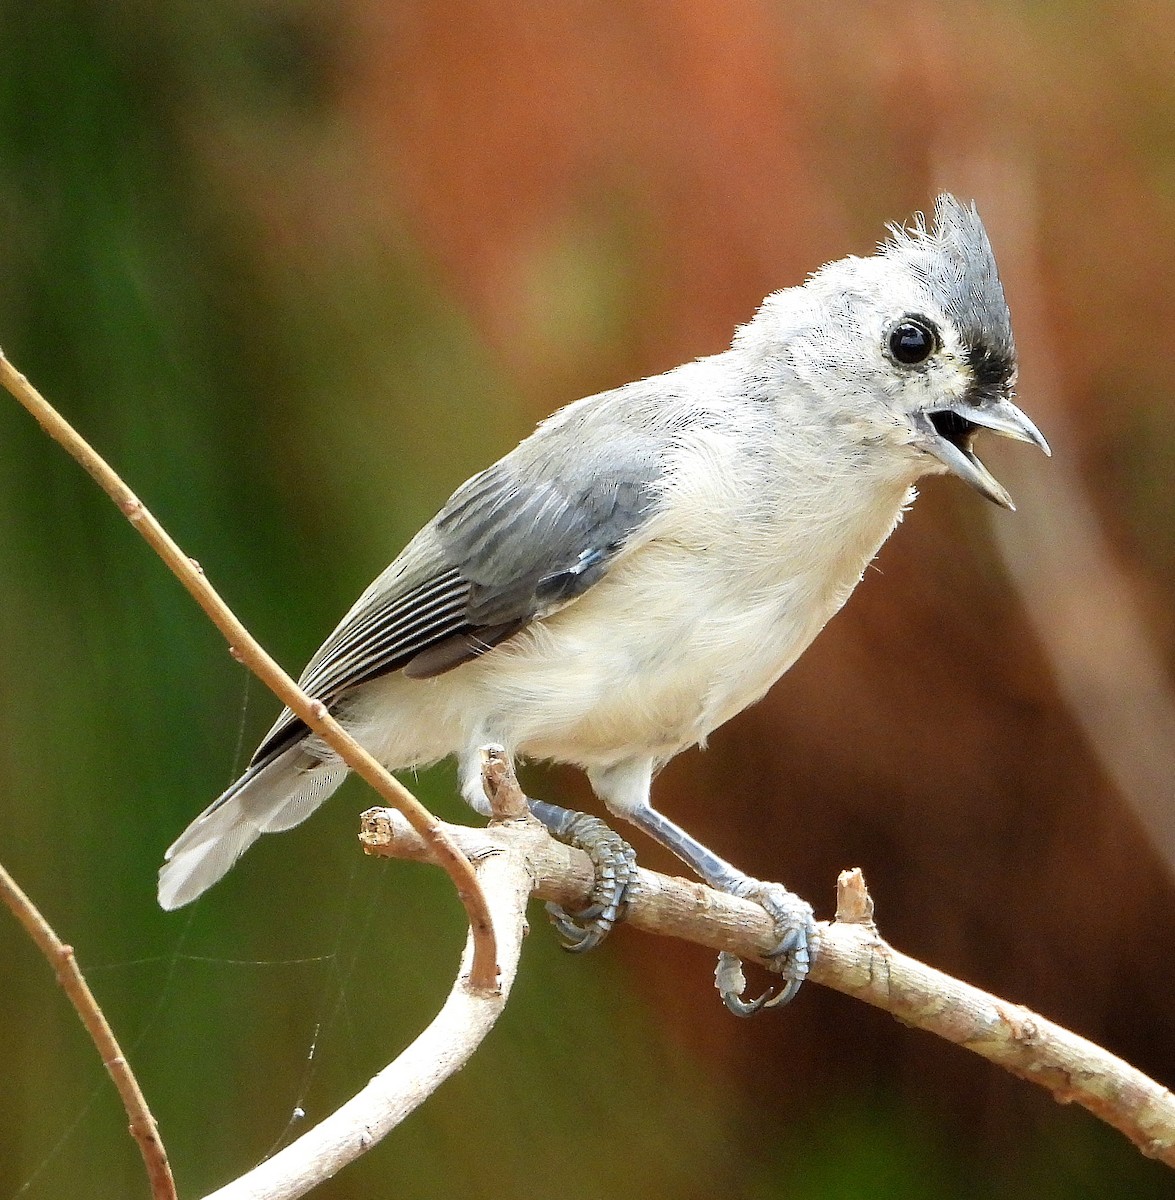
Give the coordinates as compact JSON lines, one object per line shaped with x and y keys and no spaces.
{"x":949,"y":433}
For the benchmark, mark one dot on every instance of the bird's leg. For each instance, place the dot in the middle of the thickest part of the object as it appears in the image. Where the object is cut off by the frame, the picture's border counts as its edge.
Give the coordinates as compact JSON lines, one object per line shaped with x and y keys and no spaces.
{"x":613,"y":859}
{"x":794,"y":920}
{"x":625,"y":790}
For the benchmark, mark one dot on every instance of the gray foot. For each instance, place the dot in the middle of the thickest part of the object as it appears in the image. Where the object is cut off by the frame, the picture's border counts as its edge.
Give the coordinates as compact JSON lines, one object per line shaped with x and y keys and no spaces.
{"x":615,"y":865}
{"x":795,"y":925}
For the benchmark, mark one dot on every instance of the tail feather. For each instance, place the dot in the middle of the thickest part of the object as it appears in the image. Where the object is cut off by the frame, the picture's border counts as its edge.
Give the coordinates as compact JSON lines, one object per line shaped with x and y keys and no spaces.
{"x":272,"y":795}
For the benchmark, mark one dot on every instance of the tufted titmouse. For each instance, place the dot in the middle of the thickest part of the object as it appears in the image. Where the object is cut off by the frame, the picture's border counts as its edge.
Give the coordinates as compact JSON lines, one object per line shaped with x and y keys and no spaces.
{"x":651,"y":559}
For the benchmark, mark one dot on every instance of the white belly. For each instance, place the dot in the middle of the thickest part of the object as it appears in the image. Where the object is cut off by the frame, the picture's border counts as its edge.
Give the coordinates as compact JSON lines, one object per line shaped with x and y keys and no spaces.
{"x":672,"y":643}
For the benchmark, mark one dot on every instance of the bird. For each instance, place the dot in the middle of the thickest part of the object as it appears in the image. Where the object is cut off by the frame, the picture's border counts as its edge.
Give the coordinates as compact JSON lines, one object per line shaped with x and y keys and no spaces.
{"x":651,"y":559}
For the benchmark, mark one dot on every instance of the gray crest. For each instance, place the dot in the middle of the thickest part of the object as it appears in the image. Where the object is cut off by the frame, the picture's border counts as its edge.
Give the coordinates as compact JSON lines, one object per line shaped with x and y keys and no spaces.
{"x":954,"y":260}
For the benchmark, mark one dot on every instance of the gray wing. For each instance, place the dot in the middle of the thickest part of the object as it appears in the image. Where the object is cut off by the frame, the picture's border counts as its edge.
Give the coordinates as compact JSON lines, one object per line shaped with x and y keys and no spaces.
{"x":515,"y":543}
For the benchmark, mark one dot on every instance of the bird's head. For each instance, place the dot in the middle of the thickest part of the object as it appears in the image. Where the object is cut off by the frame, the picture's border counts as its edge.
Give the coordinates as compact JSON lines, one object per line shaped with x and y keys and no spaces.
{"x":912,"y":348}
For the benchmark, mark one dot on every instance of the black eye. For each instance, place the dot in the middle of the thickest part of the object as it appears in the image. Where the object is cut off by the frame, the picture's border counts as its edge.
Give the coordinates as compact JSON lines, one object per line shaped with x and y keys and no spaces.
{"x":912,"y":341}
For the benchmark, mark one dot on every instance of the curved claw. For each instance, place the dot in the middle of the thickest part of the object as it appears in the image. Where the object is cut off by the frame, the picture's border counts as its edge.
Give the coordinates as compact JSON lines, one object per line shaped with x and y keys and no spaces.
{"x":744,"y":1008}
{"x":785,"y":995}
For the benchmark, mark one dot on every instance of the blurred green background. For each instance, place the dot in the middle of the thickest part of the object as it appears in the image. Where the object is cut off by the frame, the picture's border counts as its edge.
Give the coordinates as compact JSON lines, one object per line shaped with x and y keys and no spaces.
{"x":297,"y":269}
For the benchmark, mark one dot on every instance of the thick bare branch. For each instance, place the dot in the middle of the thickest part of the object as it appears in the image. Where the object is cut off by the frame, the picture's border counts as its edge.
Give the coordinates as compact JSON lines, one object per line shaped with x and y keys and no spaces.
{"x":852,"y":958}
{"x":69,"y":975}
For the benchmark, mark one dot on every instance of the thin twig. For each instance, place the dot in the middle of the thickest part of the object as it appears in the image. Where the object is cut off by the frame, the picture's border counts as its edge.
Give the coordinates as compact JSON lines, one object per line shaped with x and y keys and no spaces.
{"x":69,"y":975}
{"x":245,"y":648}
{"x":440,"y":1051}
{"x":852,"y":958}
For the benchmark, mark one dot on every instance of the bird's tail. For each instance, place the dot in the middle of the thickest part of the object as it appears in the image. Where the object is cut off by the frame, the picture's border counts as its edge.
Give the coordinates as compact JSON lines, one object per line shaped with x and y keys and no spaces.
{"x":275,"y":794}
